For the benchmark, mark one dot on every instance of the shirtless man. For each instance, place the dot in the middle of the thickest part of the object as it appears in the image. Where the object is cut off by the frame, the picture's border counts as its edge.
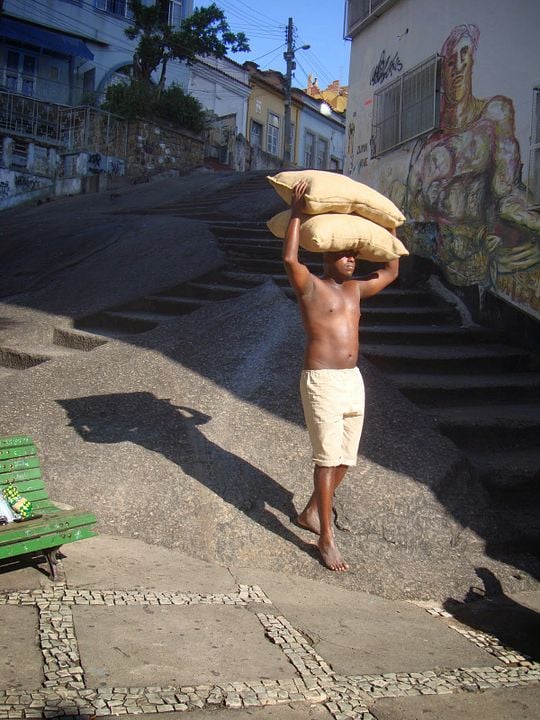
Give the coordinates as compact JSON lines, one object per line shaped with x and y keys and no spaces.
{"x":331,"y":386}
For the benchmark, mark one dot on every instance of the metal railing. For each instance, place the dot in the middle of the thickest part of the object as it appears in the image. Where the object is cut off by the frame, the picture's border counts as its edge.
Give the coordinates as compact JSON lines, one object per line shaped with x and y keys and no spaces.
{"x":94,"y":130}
{"x":82,"y":128}
{"x":28,"y":117}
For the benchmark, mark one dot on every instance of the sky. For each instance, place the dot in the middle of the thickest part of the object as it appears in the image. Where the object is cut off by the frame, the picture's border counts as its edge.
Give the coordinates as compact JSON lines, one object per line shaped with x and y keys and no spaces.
{"x":318,"y":23}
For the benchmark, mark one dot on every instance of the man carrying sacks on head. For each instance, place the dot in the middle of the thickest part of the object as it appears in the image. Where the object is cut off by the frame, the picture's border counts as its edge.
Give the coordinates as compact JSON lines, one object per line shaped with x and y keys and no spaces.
{"x":331,"y":386}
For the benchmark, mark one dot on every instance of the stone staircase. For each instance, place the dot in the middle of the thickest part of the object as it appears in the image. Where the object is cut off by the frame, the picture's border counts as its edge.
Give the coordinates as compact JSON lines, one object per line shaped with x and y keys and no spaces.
{"x":481,"y":391}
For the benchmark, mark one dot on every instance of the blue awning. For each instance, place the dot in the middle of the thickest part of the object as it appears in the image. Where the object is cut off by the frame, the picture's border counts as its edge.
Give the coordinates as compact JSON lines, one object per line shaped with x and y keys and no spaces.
{"x":32,"y":35}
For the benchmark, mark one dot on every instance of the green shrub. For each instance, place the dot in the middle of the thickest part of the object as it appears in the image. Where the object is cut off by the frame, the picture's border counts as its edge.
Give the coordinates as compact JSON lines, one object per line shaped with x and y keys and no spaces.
{"x":179,"y":108}
{"x":143,"y":100}
{"x":130,"y":101}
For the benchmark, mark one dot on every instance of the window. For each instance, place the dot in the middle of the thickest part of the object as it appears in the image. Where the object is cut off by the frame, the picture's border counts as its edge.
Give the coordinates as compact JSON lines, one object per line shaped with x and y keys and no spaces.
{"x":322,"y":154}
{"x":407,"y":107}
{"x":119,"y":8}
{"x":175,"y":13}
{"x":272,"y":134}
{"x":255,"y":134}
{"x":20,"y":73}
{"x":309,"y":150}
{"x":359,"y":12}
{"x":533,"y":183}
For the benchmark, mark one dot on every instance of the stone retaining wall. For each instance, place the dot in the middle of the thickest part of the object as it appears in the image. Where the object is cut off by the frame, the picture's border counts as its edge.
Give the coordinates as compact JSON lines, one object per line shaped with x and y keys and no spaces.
{"x":153,"y":148}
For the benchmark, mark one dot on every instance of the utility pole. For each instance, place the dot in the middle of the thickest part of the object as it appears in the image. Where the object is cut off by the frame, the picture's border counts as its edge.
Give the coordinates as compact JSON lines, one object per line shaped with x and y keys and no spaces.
{"x":289,"y":58}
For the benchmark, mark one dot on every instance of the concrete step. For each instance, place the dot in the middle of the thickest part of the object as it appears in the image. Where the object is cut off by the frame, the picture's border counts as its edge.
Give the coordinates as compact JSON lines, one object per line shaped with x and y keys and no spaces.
{"x":394,"y":295}
{"x":507,"y":469}
{"x":248,"y":279}
{"x":445,"y":334}
{"x":209,"y":291}
{"x":165,"y":304}
{"x":383,"y":314}
{"x":113,"y":324}
{"x":27,"y":356}
{"x":471,"y":359}
{"x":491,"y":426}
{"x":239,"y":231}
{"x":437,"y":390}
{"x":267,"y":266}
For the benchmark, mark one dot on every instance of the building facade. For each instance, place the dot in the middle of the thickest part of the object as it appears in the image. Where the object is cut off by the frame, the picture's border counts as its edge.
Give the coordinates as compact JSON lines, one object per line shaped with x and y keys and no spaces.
{"x":444,"y":117}
{"x":321,"y":136}
{"x":317,"y":132}
{"x":67,"y":51}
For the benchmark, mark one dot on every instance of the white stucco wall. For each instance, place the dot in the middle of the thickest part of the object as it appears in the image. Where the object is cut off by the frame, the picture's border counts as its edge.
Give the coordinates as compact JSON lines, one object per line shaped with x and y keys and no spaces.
{"x":222,"y":87}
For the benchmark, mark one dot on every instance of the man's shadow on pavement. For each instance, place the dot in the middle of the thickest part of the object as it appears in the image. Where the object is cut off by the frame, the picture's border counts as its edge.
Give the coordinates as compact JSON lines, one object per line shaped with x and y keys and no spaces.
{"x":173,"y":431}
{"x":488,"y":609}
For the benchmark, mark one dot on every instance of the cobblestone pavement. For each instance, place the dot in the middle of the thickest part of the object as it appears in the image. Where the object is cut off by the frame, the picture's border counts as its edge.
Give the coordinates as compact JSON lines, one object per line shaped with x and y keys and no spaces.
{"x":65,"y":693}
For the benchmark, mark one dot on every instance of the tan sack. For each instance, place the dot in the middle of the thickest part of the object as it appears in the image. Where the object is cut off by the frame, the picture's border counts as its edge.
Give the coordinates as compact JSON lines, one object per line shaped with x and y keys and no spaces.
{"x":329,"y":192}
{"x":334,"y":232}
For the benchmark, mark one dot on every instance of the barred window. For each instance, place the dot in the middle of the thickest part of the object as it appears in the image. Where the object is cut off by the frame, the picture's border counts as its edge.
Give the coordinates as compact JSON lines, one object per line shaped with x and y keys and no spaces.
{"x":407,"y":107}
{"x":533,"y":182}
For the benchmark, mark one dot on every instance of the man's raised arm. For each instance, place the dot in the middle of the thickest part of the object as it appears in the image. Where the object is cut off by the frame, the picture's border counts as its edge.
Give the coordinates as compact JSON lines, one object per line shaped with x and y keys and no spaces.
{"x":379,"y":279}
{"x":299,"y":276}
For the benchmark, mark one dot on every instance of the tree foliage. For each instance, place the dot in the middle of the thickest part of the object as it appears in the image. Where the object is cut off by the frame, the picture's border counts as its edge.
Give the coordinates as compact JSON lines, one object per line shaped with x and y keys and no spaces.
{"x":140,"y":99}
{"x":205,"y":32}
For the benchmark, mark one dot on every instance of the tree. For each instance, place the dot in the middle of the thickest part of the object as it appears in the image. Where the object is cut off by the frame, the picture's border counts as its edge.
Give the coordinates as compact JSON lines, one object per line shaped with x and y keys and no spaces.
{"x":205,"y":32}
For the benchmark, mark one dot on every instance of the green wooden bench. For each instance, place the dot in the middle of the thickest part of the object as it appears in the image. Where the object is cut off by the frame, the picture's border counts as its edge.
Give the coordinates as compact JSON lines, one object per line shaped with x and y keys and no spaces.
{"x":51,"y":527}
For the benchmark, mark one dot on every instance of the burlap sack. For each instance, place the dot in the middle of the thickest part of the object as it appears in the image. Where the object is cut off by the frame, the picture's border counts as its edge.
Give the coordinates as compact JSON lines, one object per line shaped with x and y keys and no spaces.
{"x":332,"y":193}
{"x":335,"y":231}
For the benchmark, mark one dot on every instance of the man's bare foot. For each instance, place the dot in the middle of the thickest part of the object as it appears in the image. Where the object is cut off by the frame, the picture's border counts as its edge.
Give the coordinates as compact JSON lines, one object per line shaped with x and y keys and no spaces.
{"x":309,"y":520}
{"x":331,"y":556}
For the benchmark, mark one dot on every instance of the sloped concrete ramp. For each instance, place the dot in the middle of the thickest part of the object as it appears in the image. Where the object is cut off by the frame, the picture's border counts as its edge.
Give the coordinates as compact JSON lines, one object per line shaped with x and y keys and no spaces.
{"x":191,"y":437}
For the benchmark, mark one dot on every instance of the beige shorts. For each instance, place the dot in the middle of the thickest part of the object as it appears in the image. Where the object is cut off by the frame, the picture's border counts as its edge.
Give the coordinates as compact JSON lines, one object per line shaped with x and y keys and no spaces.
{"x":333,"y":402}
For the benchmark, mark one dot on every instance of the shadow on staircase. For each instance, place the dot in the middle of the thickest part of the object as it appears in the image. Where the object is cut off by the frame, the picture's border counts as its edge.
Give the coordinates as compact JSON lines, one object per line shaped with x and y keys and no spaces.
{"x":481,"y":391}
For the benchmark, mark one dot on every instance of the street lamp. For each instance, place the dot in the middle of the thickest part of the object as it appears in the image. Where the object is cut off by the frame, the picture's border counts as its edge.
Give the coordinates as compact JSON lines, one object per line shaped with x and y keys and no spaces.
{"x":291,"y":65}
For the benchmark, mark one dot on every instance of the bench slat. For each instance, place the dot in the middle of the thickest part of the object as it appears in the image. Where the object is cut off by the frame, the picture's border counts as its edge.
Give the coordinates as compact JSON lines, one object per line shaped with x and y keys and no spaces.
{"x":17,"y":452}
{"x":45,"y":542}
{"x":14,"y":440}
{"x":20,"y":476}
{"x":26,"y":485}
{"x":19,"y":464}
{"x":62,"y":522}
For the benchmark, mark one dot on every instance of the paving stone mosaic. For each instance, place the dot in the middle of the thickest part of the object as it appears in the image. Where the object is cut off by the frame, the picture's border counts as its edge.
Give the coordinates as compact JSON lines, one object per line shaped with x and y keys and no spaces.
{"x":64,"y":692}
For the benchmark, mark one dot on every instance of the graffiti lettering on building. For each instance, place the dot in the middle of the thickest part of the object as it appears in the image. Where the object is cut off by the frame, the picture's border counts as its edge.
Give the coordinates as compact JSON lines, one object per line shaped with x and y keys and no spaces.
{"x":94,"y":163}
{"x":114,"y":167}
{"x":4,"y":189}
{"x":361,"y":159}
{"x":23,"y":182}
{"x":385,"y":68}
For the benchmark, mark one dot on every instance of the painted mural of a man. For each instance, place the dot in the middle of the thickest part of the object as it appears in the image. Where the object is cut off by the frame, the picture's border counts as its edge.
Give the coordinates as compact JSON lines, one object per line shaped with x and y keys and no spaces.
{"x":466,"y":177}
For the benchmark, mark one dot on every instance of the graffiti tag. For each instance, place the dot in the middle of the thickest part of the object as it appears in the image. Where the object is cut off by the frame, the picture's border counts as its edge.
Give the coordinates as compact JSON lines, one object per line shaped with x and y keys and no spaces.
{"x":4,"y":189}
{"x":385,"y":68}
{"x":22,"y":182}
{"x":114,"y":167}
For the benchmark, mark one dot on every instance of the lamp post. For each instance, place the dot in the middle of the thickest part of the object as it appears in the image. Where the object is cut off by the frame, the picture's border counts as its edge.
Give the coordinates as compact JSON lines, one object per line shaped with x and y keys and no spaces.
{"x":291,"y":65}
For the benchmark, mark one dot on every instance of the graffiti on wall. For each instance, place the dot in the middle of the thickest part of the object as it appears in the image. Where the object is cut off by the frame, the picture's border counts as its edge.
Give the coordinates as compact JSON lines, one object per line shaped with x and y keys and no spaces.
{"x":25,"y":183}
{"x":466,"y":178}
{"x":385,"y":68}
